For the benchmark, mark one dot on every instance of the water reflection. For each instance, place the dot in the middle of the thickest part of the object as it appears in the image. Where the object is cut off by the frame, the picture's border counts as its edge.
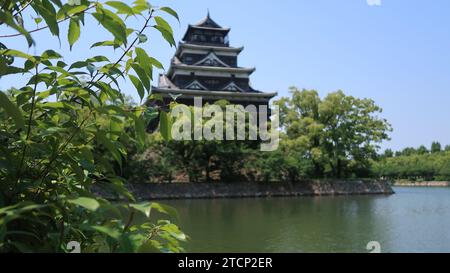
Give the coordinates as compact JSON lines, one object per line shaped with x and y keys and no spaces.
{"x":410,"y":221}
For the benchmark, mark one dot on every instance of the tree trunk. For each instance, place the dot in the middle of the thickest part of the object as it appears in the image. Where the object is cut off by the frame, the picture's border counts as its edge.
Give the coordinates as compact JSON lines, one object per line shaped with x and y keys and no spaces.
{"x":338,"y":168}
{"x":207,"y":171}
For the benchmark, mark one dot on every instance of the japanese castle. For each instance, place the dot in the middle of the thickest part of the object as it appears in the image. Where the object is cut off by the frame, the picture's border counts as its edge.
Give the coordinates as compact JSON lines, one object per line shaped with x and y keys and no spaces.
{"x":206,"y":66}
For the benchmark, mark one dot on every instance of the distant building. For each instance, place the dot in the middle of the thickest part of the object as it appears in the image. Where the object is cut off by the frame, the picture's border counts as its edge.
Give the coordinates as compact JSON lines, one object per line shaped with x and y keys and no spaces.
{"x":205,"y":65}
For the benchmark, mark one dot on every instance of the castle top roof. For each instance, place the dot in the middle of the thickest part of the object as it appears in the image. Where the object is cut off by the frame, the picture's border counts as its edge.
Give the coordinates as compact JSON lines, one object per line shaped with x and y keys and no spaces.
{"x":208,"y":23}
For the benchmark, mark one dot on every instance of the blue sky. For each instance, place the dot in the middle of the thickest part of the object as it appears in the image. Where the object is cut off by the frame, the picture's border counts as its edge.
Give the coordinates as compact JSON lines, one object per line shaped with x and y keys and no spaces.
{"x":397,"y":53}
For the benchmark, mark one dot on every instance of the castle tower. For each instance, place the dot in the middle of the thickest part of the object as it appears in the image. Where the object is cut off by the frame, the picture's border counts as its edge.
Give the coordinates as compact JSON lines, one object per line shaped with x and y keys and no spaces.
{"x":206,"y":65}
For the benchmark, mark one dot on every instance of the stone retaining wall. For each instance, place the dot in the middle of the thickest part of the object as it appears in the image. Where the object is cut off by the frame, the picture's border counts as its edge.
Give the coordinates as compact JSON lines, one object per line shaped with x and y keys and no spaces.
{"x":241,"y":190}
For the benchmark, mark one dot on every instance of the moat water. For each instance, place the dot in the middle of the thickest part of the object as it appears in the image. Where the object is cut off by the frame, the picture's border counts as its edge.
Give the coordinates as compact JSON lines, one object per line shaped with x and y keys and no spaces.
{"x":412,"y":220}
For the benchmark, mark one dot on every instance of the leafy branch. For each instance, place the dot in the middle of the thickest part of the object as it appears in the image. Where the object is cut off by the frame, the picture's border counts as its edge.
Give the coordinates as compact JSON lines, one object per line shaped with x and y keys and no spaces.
{"x":47,"y":26}
{"x":30,"y":119}
{"x":23,"y":8}
{"x":66,"y":140}
{"x":79,"y":128}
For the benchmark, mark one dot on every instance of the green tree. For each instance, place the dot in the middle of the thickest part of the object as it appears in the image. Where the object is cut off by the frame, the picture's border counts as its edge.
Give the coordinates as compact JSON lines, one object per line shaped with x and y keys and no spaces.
{"x":416,"y":166}
{"x":388,"y":153}
{"x":422,"y":150}
{"x":64,"y":133}
{"x":299,"y":116}
{"x":406,"y":152}
{"x":340,"y":132}
{"x":199,"y":159}
{"x":436,"y":147}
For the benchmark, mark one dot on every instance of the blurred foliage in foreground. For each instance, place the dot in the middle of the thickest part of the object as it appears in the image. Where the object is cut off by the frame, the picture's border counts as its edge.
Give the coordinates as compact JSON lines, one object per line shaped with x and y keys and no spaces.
{"x":66,"y":131}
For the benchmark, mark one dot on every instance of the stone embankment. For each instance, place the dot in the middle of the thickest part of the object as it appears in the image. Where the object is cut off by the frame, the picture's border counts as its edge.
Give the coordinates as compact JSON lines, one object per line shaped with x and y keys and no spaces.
{"x":252,"y":190}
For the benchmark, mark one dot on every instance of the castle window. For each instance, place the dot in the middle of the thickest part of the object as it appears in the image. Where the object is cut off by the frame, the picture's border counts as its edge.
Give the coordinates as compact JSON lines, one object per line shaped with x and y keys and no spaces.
{"x":212,"y":60}
{"x":233,"y":87}
{"x":196,"y":85}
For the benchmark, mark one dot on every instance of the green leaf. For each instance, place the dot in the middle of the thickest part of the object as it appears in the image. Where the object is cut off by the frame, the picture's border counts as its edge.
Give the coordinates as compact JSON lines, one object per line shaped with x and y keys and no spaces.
{"x":171,"y":12}
{"x":47,"y":11}
{"x":37,"y":20}
{"x":21,"y":207}
{"x":9,"y":69}
{"x":163,"y":23}
{"x":104,"y":43}
{"x":78,"y":64}
{"x":142,"y":38}
{"x":102,"y":139}
{"x":121,"y":7}
{"x":61,"y":64}
{"x":117,"y":186}
{"x":12,"y":110}
{"x":172,"y":212}
{"x":150,"y":246}
{"x":145,"y":208}
{"x":113,"y":233}
{"x":166,"y":35}
{"x":3,"y":67}
{"x":8,"y":19}
{"x":139,"y":128}
{"x":50,"y":54}
{"x":150,"y":114}
{"x":54,"y":105}
{"x":144,"y":61}
{"x":69,"y":11}
{"x":139,"y":87}
{"x":97,"y":59}
{"x":17,"y":53}
{"x":113,"y":24}
{"x":91,"y":68}
{"x":175,"y":232}
{"x":60,"y":70}
{"x":165,"y":126}
{"x":85,"y":202}
{"x":142,"y":75}
{"x":139,"y":8}
{"x":57,"y":2}
{"x":156,"y":63}
{"x":10,"y":213}
{"x":74,"y":32}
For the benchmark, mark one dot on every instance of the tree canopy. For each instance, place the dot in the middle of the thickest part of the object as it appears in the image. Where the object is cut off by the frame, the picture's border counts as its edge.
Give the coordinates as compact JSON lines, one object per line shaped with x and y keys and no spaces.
{"x":340,"y":133}
{"x":414,"y":164}
{"x":333,"y":137}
